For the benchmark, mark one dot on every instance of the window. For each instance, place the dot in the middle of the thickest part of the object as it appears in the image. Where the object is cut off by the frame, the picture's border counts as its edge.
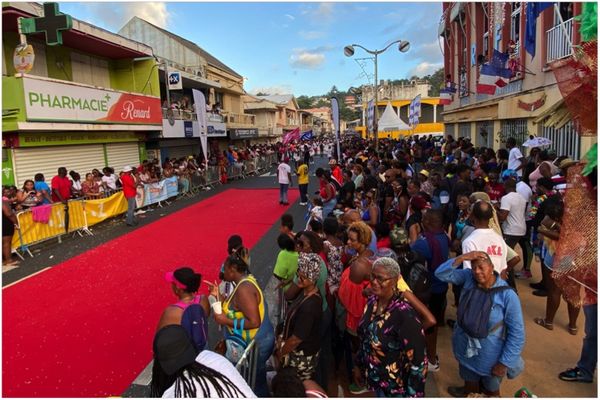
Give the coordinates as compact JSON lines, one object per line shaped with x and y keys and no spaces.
{"x":515,"y":24}
{"x":566,"y":12}
{"x":565,"y":141}
{"x":486,"y":30}
{"x":464,"y":130}
{"x":516,"y":128}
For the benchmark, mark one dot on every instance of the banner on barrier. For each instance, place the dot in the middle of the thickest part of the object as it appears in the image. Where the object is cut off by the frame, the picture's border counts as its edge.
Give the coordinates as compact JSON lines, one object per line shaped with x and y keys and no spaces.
{"x":155,"y":192}
{"x":172,"y":186}
{"x":98,"y":210}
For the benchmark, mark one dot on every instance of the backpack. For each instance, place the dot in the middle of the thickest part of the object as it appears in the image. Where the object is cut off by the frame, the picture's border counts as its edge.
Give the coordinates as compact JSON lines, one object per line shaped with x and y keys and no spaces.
{"x":194,"y":322}
{"x":235,"y":345}
{"x":417,"y":277}
{"x":474,"y":308}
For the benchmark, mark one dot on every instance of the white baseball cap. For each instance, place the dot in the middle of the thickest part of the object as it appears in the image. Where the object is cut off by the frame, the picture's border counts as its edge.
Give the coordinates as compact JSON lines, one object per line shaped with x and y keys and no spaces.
{"x":127,"y":168}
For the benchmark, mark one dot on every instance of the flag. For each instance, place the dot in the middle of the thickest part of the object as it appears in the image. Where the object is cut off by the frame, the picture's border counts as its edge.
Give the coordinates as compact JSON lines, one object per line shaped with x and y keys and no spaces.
{"x":370,"y":115}
{"x":532,"y":13}
{"x":417,"y":101}
{"x":200,"y":104}
{"x":494,"y":74}
{"x":308,"y":135}
{"x":335,"y":116}
{"x":291,"y":136}
{"x":451,"y":87}
{"x":445,"y":97}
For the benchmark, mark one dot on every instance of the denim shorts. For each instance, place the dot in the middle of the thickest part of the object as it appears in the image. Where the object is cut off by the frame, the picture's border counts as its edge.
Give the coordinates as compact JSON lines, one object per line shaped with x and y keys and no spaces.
{"x":490,"y":383}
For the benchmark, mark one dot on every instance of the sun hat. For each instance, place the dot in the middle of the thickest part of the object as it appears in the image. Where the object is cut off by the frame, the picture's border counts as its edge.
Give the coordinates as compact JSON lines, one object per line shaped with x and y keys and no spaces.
{"x":424,"y":172}
{"x":173,"y":349}
{"x":184,"y":278}
{"x":127,"y":168}
{"x":567,"y":162}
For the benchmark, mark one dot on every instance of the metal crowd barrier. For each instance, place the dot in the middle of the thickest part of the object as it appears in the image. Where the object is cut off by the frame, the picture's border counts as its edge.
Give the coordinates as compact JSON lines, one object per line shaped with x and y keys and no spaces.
{"x":32,"y":233}
{"x":246,"y":366}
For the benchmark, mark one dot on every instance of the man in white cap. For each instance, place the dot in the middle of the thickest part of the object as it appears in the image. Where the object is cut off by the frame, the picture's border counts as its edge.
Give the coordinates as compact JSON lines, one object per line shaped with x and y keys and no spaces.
{"x":129,"y":190}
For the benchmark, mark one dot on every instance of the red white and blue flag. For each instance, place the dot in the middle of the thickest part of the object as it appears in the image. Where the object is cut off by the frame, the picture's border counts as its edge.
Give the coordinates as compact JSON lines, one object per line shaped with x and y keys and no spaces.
{"x":445,"y":96}
{"x":494,"y":74}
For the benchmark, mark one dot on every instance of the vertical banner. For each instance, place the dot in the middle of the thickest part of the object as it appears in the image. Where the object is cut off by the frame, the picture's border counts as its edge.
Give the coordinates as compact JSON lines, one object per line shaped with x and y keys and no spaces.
{"x":370,"y":115}
{"x":335,"y":116}
{"x":200,"y":103}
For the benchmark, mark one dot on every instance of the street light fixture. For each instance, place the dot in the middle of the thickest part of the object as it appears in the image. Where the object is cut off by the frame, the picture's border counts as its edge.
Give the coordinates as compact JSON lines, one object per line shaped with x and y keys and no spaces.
{"x":403,"y":47}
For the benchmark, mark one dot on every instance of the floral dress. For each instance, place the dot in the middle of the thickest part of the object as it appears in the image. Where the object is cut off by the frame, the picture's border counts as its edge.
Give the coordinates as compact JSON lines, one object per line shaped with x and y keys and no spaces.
{"x":392,"y":349}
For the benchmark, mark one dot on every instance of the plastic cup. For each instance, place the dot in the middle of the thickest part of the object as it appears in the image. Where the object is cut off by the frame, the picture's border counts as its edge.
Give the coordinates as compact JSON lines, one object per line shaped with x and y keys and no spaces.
{"x":216,"y":307}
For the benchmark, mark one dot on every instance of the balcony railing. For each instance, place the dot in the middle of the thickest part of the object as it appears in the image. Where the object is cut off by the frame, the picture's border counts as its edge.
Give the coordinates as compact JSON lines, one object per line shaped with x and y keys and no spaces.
{"x":187,"y":115}
{"x":558,"y":45}
{"x":242,"y":119}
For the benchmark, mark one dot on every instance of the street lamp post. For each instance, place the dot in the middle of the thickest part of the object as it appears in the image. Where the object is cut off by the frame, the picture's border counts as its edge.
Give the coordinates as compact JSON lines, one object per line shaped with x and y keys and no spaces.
{"x":403,"y":47}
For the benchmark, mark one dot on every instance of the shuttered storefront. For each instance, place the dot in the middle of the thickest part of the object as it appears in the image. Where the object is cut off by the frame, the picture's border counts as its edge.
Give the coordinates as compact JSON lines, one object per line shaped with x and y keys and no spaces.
{"x":47,"y":160}
{"x":122,"y":154}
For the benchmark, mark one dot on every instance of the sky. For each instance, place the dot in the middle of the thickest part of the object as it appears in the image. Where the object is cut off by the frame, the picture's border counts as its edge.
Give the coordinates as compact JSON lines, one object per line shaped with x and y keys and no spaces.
{"x":292,"y":47}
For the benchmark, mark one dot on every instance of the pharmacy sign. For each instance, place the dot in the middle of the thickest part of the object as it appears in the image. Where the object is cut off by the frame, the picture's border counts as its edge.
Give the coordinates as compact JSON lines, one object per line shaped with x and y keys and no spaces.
{"x":49,"y":100}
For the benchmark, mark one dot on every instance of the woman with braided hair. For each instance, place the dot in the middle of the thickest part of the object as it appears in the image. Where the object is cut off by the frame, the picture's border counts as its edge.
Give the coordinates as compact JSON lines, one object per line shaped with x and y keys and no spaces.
{"x":178,"y":372}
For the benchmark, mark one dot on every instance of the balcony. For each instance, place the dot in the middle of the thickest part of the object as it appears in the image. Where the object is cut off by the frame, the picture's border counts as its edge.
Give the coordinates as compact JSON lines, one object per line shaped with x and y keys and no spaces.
{"x":234,"y":119}
{"x":187,"y":115}
{"x":556,"y":42}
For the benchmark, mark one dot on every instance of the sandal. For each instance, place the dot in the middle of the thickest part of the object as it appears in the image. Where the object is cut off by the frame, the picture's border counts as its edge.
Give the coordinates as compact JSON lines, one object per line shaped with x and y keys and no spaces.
{"x":573,"y":331}
{"x":542,"y":322}
{"x":12,"y":264}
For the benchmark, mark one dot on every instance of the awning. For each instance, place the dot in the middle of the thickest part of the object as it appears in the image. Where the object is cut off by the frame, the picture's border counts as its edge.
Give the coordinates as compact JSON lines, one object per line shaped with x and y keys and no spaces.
{"x":556,"y":116}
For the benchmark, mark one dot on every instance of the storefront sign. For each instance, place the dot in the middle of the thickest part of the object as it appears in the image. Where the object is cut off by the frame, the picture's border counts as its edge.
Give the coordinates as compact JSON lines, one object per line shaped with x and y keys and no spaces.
{"x":23,"y":58}
{"x":216,"y":129}
{"x":29,"y":139}
{"x":47,"y":100}
{"x":188,"y":129}
{"x":243,"y":133}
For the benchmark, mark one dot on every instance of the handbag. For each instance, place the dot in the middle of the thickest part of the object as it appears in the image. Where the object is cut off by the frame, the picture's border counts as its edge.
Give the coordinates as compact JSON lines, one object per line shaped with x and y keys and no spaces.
{"x":235,"y":345}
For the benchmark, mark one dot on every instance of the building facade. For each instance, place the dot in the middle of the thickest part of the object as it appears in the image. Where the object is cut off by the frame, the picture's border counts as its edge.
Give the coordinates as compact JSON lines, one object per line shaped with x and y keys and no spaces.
{"x":525,"y":106}
{"x":87,"y":103}
{"x":222,"y":88}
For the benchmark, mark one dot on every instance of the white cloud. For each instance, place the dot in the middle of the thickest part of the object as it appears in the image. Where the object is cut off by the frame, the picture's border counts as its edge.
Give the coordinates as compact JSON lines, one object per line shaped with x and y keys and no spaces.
{"x":290,"y":17}
{"x":276,"y":89}
{"x":306,"y":59}
{"x":325,"y":10}
{"x":114,"y":15}
{"x":311,"y":35}
{"x":425,"y":68}
{"x":428,"y":51}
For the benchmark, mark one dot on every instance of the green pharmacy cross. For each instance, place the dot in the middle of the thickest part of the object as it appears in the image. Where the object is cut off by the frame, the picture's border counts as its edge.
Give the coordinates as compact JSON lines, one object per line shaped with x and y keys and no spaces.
{"x":52,"y":24}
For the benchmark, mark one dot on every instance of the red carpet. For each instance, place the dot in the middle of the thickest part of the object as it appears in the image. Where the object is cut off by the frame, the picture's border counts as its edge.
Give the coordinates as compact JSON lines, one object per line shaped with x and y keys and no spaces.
{"x":85,"y":327}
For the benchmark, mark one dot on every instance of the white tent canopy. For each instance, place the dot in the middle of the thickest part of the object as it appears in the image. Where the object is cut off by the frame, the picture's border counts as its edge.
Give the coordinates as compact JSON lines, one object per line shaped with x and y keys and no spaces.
{"x":390,"y":121}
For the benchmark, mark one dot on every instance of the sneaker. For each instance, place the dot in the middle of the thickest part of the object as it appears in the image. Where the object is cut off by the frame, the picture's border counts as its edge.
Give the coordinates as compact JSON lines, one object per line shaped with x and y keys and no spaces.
{"x":574,"y":375}
{"x":523,"y":274}
{"x":303,"y":204}
{"x":355,"y":389}
{"x":435,"y":366}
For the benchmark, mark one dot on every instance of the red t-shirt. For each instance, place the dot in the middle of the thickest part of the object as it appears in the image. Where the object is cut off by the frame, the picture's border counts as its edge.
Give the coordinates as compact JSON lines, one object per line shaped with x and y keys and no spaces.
{"x":495,"y":191}
{"x":63,"y":186}
{"x":129,"y":189}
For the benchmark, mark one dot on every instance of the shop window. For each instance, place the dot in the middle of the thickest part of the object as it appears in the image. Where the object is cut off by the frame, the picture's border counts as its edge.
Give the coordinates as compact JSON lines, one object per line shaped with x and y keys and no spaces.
{"x":565,"y":141}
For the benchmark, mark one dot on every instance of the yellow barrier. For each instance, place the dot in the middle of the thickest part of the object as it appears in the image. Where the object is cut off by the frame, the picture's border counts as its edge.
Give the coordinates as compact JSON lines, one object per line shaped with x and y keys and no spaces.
{"x":82,"y":213}
{"x":98,"y":210}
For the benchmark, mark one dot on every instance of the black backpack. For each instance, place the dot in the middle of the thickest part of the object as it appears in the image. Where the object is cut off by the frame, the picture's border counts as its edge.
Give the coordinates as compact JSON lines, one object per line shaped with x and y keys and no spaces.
{"x":417,"y":277}
{"x":474,"y":308}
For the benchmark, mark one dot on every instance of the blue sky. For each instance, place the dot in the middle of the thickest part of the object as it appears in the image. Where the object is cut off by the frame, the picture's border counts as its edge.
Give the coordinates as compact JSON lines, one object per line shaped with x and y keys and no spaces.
{"x":292,"y":47}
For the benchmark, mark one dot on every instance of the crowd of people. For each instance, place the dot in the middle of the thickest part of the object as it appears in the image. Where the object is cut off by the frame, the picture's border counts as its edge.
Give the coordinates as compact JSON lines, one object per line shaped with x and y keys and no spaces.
{"x":365,"y":279}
